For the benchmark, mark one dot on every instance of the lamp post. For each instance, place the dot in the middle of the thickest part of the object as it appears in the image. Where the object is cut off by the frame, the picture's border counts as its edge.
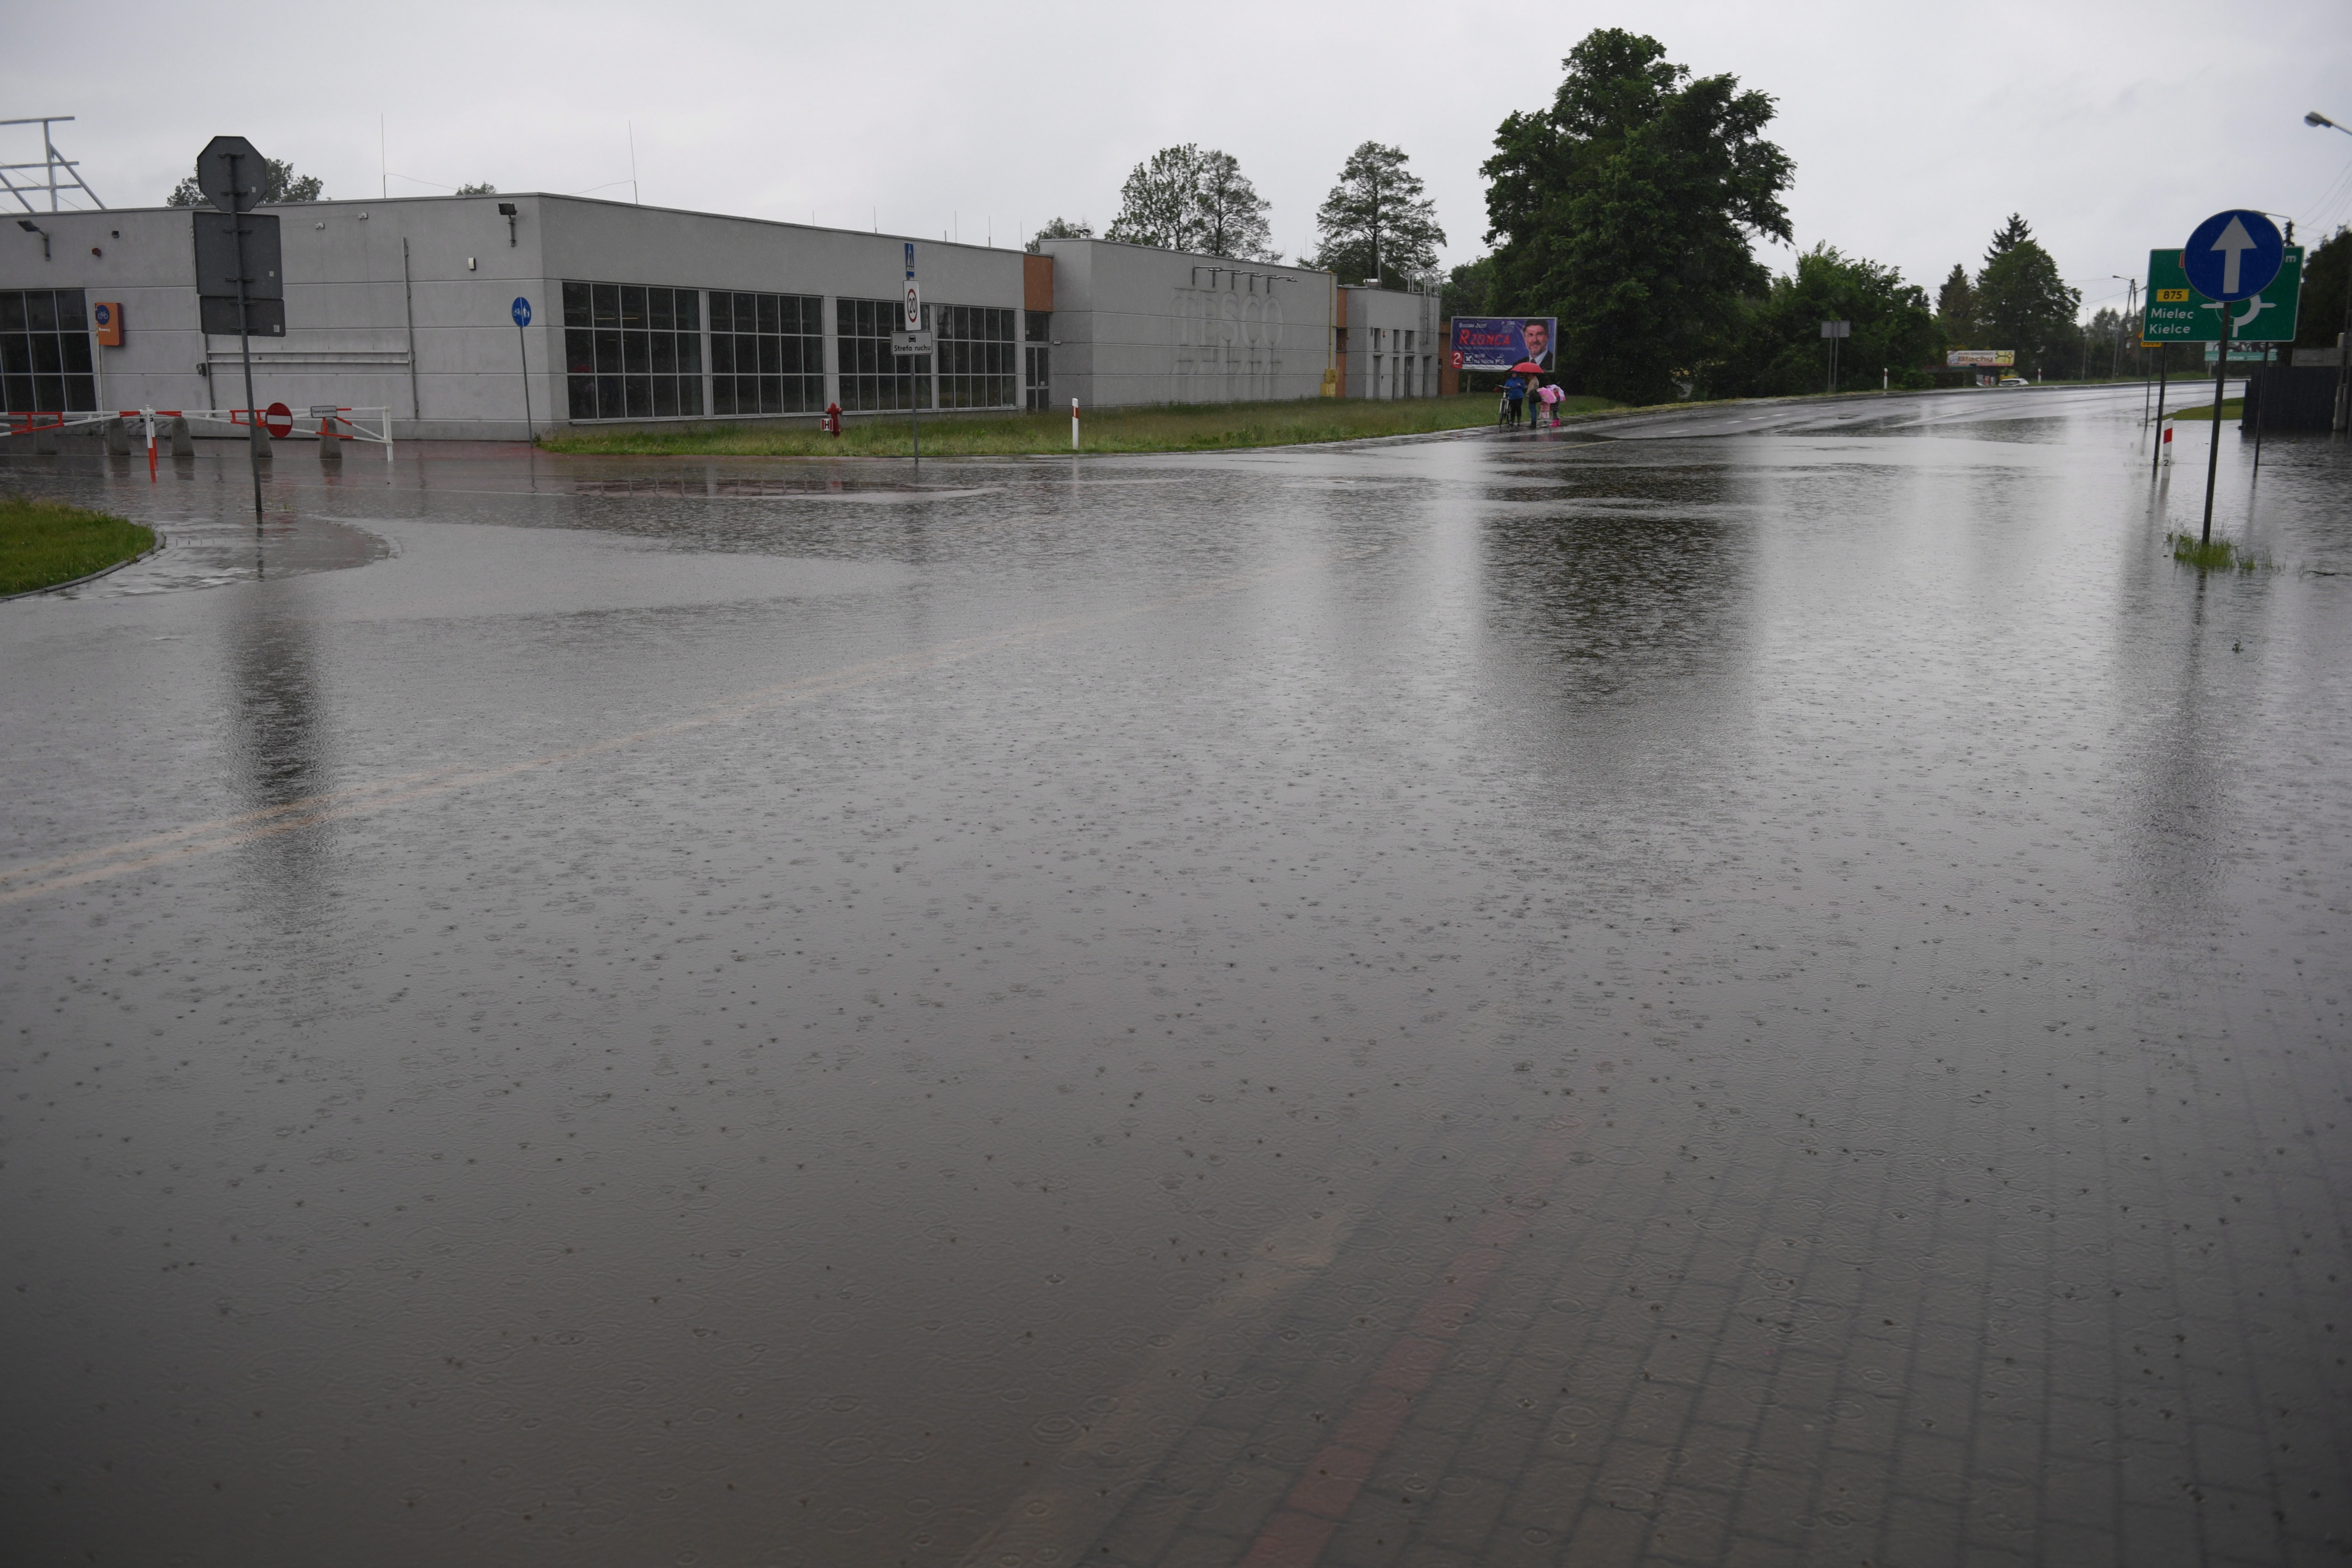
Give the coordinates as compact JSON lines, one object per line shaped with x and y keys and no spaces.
{"x":29,"y":226}
{"x":2131,"y":310}
{"x":2318,"y":121}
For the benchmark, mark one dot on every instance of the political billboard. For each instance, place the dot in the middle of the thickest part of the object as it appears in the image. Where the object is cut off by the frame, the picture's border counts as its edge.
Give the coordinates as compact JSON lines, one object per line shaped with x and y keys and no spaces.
{"x":1498,"y":342}
{"x":1957,"y":358}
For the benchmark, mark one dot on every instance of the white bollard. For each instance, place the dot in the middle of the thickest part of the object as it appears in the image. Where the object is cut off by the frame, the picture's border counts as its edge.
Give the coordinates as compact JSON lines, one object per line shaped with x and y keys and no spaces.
{"x":1074,"y":424}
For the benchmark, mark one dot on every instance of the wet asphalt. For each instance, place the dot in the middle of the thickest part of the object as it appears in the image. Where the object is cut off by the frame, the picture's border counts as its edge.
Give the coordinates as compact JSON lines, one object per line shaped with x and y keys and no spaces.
{"x":1755,"y":986}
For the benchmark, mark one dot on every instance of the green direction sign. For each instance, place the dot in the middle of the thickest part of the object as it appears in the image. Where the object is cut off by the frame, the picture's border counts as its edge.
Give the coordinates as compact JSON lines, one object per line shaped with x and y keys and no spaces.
{"x":2177,"y":313}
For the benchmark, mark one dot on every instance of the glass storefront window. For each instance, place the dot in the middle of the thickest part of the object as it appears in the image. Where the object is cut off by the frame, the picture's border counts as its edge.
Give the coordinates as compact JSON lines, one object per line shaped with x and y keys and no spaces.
{"x":871,"y":377}
{"x":976,"y":363}
{"x":45,"y":353}
{"x":632,"y":351}
{"x":767,"y":352}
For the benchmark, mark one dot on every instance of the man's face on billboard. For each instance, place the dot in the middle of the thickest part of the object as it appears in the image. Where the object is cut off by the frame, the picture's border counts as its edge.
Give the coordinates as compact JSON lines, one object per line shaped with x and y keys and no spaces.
{"x":1537,"y":336}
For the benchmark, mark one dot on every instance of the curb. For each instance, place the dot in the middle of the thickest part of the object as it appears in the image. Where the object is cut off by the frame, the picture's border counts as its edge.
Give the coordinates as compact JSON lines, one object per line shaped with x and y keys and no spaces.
{"x":154,"y":549}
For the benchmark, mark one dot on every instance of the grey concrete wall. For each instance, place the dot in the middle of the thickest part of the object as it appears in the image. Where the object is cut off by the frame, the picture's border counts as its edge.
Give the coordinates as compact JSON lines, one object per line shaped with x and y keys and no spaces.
{"x":1392,"y":344}
{"x":428,"y":335}
{"x":351,"y":317}
{"x":1136,"y":325}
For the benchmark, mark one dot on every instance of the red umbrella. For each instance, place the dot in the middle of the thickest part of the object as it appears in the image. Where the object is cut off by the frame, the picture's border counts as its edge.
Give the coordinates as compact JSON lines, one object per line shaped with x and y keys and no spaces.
{"x":1526,"y":367}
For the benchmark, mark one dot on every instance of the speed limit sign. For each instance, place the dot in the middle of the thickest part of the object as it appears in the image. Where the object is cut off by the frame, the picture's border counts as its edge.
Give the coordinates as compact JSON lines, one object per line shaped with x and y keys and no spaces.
{"x":914,"y":306}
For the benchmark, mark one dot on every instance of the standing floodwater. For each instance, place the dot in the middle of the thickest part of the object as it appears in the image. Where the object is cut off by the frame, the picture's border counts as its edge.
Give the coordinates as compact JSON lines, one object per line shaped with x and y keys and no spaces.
{"x":1773,"y":989}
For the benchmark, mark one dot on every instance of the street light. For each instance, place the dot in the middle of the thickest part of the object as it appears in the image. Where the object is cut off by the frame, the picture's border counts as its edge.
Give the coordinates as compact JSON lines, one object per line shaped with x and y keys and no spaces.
{"x":2317,"y":120}
{"x":2131,"y":309}
{"x":29,"y":226}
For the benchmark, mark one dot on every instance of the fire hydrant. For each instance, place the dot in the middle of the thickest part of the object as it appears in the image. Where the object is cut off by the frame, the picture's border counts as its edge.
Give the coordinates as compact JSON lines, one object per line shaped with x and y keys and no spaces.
{"x":833,"y":418}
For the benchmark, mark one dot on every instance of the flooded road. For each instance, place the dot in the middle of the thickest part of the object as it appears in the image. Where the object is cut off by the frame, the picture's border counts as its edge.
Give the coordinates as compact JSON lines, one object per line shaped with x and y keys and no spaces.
{"x":1704,"y":994}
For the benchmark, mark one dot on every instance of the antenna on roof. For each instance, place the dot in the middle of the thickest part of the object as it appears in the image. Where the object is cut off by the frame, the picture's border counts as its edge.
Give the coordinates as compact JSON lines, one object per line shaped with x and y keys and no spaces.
{"x":57,"y":173}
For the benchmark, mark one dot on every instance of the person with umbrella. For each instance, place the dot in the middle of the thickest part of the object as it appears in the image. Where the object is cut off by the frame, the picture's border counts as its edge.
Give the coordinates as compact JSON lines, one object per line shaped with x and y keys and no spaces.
{"x":1530,"y":376}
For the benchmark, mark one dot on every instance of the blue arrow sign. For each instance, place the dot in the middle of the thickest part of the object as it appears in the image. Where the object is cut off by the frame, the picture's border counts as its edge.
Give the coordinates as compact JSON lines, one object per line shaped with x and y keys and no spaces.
{"x":910,"y":259}
{"x":2233,"y":256}
{"x":521,"y":311}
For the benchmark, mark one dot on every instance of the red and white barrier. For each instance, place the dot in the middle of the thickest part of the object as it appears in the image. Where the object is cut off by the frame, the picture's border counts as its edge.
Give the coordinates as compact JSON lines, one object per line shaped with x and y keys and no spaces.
{"x":369,"y":424}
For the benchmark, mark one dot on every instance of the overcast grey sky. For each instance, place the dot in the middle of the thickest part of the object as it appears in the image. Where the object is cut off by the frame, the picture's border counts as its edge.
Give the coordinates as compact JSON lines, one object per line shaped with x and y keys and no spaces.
{"x":2113,"y":127}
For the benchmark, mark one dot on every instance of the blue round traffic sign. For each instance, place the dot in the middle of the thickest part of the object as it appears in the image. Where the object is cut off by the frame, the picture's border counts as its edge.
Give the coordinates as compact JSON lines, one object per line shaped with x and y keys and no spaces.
{"x":2233,"y":255}
{"x":522,"y":311}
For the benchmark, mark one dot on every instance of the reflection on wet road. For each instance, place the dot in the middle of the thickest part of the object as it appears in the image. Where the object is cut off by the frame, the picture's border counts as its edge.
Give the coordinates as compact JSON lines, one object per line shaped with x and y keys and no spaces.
{"x":1707,"y":994}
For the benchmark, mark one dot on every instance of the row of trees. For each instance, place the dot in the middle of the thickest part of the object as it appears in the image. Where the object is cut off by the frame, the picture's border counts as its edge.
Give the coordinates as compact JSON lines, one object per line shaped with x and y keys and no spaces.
{"x":2017,"y":300}
{"x":1378,"y":221}
{"x":282,"y":185}
{"x":1628,"y":209}
{"x":279,"y":184}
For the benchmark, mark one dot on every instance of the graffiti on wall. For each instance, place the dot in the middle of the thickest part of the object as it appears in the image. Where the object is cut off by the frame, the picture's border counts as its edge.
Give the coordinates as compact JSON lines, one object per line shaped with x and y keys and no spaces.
{"x":1228,"y":344}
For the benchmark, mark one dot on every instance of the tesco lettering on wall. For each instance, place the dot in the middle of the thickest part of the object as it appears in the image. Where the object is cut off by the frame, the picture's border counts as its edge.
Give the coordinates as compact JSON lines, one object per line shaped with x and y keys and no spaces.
{"x":1498,"y":342}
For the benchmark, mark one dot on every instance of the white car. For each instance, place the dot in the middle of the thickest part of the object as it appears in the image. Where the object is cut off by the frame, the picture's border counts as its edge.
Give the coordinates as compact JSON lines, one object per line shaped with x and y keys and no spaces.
{"x":2013,"y":380}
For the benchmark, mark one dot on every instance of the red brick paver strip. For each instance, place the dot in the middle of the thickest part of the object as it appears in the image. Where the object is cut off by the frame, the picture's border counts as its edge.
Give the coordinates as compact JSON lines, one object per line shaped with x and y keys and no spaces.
{"x":1303,"y":1526}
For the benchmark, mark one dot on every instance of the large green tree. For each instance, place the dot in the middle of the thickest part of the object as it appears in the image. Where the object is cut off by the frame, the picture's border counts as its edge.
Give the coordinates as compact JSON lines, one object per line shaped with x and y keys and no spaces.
{"x":1155,"y":204}
{"x":2324,"y":274}
{"x":2024,"y":304}
{"x":1779,"y":348}
{"x":1956,"y":309}
{"x":1376,"y":223}
{"x":1189,"y":198}
{"x":1469,"y":289}
{"x":1231,"y":213}
{"x":279,"y":185}
{"x":1627,"y":209}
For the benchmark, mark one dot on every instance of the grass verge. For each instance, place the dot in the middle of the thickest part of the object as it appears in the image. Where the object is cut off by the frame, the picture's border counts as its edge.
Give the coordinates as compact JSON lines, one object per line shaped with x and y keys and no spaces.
{"x":1195,"y":429}
{"x":2222,"y":556}
{"x":2235,"y":408}
{"x":43,"y":543}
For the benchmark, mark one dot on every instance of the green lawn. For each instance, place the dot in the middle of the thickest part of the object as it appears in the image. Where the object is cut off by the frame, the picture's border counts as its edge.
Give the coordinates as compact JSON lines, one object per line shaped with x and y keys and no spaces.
{"x":44,"y":541}
{"x":1194,"y":428}
{"x":2235,"y":408}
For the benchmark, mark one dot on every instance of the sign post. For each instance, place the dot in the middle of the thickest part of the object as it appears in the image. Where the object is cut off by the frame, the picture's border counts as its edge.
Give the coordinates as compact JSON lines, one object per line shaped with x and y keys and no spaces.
{"x":522,"y":351}
{"x":229,"y":172}
{"x":2173,"y":312}
{"x":910,"y":344}
{"x":2233,"y":256}
{"x":1834,"y":331}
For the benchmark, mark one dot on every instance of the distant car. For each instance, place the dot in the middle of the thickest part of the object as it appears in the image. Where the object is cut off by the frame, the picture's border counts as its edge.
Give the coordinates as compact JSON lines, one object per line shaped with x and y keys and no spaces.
{"x":2015,"y":381}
